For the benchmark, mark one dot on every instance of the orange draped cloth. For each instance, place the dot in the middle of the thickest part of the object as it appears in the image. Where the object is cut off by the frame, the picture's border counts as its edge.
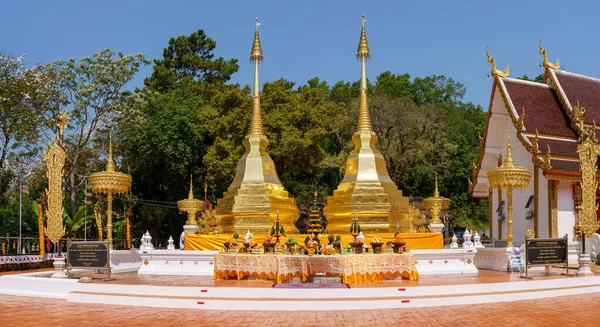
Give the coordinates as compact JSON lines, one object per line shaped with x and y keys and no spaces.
{"x":416,"y":241}
{"x":352,"y":268}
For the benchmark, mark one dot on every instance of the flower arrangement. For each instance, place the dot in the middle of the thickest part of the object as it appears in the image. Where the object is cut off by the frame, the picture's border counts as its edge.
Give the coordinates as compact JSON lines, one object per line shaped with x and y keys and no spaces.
{"x":376,"y":244}
{"x":398,"y":243}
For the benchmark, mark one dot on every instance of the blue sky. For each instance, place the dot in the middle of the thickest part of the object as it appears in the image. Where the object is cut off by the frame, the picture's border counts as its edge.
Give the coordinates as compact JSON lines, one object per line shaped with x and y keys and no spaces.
{"x":304,"y":39}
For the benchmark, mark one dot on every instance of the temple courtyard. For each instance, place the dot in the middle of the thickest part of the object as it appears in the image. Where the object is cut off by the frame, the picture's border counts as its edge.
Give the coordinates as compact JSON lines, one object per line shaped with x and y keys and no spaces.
{"x":557,"y":311}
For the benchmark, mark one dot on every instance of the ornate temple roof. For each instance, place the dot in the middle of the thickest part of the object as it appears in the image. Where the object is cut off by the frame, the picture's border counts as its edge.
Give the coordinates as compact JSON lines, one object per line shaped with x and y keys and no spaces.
{"x":548,"y":118}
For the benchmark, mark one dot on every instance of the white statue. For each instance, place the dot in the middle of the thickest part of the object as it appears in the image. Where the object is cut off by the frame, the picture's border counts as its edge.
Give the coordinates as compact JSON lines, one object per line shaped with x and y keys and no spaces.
{"x":171,"y":246}
{"x":181,"y":240}
{"x":477,"y":240}
{"x":248,"y":237}
{"x":146,"y":242}
{"x":361,"y":237}
{"x":467,"y":244}
{"x":454,"y":244}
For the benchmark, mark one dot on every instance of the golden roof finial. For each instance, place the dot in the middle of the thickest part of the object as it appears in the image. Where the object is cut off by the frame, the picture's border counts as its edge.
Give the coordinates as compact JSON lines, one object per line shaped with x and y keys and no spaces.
{"x":110,"y":165}
{"x":495,"y":71}
{"x":508,"y":162}
{"x":364,"y":121}
{"x":256,"y":56}
{"x":191,"y":193}
{"x":546,"y":63}
{"x":436,"y":192}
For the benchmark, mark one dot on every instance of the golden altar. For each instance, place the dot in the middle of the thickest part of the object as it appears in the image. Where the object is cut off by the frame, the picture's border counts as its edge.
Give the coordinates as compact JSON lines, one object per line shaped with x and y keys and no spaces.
{"x":351,"y":268}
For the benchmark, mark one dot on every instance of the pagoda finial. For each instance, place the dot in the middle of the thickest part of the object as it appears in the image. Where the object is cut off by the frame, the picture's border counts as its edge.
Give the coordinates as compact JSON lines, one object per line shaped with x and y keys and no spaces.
{"x":363,"y":52}
{"x":191,"y":192}
{"x":495,"y":71}
{"x":508,"y":162}
{"x":110,"y":165}
{"x":256,"y":56}
{"x":548,"y":64}
{"x":436,"y":192}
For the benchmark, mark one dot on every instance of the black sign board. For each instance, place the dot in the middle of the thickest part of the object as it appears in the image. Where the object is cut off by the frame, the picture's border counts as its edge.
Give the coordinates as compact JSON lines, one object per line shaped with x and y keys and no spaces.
{"x":546,"y":252}
{"x":88,"y":255}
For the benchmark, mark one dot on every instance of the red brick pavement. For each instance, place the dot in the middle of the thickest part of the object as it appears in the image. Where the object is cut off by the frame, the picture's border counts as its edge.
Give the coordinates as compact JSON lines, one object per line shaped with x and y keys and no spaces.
{"x":575,"y":310}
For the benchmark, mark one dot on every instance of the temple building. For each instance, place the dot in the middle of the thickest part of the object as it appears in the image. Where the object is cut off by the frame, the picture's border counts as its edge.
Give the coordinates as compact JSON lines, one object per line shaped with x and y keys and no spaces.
{"x":256,"y":193}
{"x":545,"y":122}
{"x":367,"y":188}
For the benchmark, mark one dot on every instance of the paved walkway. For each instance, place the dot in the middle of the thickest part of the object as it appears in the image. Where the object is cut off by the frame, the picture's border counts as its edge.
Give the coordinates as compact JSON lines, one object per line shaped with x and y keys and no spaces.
{"x":576,"y":310}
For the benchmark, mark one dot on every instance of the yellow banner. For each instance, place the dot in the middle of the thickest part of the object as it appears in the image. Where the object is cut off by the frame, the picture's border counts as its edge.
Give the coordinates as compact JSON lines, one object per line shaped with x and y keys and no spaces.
{"x":416,"y":241}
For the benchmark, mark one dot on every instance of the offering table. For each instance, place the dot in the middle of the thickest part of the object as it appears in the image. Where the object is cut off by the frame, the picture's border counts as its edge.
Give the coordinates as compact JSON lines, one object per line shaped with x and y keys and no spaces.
{"x":352,"y":268}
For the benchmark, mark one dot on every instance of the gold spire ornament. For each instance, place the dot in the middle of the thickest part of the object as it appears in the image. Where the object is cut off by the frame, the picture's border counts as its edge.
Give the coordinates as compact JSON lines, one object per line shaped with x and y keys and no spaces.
{"x":588,"y":158}
{"x":109,"y":182}
{"x":191,"y":206}
{"x":509,"y":177}
{"x":496,"y":72}
{"x":367,"y":187}
{"x":55,"y":161}
{"x":436,"y":204}
{"x":256,"y":193}
{"x":546,"y":63}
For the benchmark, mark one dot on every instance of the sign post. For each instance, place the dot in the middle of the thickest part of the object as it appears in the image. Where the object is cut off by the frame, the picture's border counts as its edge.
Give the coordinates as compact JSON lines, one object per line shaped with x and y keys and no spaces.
{"x":92,"y":255}
{"x":546,"y":252}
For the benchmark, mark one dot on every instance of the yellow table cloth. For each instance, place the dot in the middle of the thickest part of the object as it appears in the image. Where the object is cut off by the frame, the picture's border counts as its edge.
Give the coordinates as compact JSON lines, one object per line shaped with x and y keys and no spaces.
{"x":416,"y":241}
{"x":352,"y":268}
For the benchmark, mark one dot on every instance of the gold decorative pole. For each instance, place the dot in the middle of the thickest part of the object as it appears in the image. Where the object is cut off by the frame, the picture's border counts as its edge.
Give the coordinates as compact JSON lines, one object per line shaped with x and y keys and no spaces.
{"x":110,"y":182}
{"x":190,"y":206}
{"x":436,"y":204}
{"x":588,"y":158}
{"x":41,"y":230}
{"x":509,"y":176}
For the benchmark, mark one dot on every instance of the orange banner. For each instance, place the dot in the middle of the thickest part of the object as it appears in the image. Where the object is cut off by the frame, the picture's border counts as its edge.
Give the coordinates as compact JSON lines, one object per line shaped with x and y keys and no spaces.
{"x":416,"y":241}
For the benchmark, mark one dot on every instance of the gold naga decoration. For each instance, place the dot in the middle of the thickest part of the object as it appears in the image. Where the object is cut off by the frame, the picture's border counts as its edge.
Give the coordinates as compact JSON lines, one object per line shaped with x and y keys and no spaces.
{"x":495,"y":71}
{"x":509,"y":177}
{"x":190,"y":206}
{"x":110,"y":182}
{"x":548,"y":64}
{"x":55,"y":161}
{"x":588,"y":158}
{"x":436,"y":204}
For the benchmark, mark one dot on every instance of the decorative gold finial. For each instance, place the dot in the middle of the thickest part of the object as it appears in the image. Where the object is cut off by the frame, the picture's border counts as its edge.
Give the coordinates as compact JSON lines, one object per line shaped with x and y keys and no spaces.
{"x":546,"y":63}
{"x":63,"y":119}
{"x":363,"y":53}
{"x":110,"y":164}
{"x":508,"y":162}
{"x":535,"y":142}
{"x":191,"y":192}
{"x":256,"y":54}
{"x":436,"y":192}
{"x":363,"y":46}
{"x":495,"y":71}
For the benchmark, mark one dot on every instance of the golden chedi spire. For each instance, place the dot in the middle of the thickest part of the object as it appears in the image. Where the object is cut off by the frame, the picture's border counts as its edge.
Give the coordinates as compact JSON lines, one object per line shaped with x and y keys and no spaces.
{"x":363,"y":53}
{"x":256,"y":193}
{"x":256,"y":56}
{"x":367,"y":188}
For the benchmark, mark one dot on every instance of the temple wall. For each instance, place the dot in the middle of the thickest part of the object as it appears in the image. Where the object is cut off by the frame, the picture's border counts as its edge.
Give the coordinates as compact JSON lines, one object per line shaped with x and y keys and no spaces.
{"x":566,"y":214}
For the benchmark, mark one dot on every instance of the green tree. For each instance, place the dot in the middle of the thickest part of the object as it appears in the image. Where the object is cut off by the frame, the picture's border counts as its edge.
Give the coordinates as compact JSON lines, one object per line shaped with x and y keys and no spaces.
{"x":191,"y":58}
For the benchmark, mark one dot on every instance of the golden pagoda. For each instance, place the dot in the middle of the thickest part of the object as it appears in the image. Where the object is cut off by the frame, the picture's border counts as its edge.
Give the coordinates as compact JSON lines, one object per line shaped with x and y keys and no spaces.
{"x":367,"y":187}
{"x":256,"y":193}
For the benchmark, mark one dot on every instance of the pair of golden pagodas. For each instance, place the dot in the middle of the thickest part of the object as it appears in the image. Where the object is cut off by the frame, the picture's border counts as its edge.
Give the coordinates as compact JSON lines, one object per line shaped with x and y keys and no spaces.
{"x":256,"y":193}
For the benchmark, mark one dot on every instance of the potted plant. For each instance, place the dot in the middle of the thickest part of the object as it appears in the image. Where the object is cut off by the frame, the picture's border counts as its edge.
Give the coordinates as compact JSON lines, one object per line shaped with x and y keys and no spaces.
{"x":291,"y":243}
{"x":376,"y":244}
{"x":331,"y":239}
{"x":398,"y":243}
